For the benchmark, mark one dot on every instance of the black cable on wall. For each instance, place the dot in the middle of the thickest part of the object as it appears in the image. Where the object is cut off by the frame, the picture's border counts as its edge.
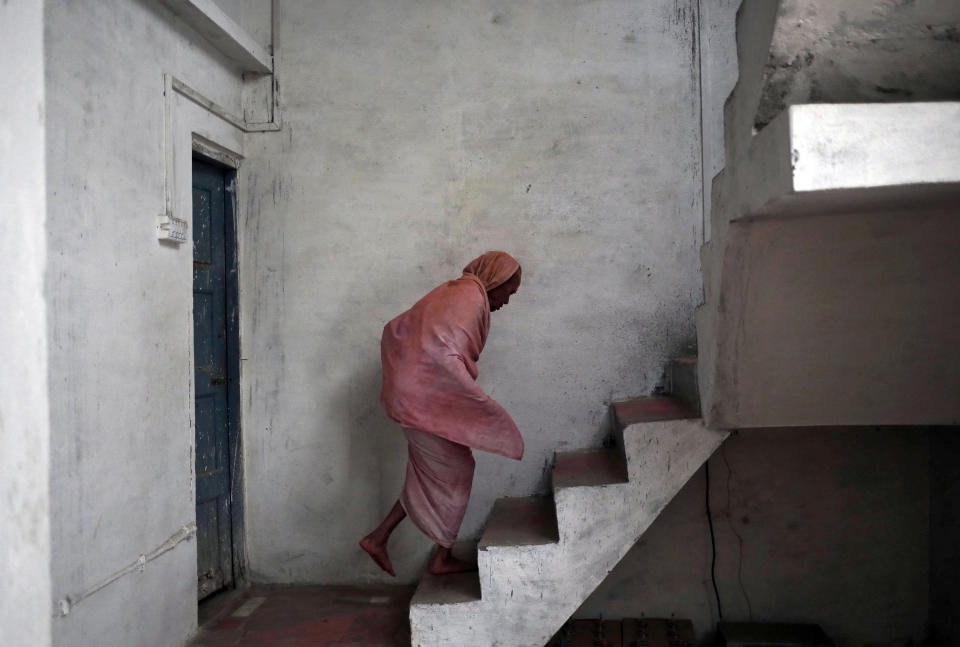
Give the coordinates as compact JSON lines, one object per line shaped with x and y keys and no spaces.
{"x":713,"y":543}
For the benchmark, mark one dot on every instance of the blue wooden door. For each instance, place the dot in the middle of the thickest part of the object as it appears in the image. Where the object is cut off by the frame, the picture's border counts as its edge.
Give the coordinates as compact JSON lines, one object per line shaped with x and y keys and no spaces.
{"x":211,"y":378}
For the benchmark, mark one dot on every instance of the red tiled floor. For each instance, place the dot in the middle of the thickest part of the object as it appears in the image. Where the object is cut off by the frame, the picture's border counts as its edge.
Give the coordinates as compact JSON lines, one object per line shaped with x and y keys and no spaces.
{"x":311,"y":616}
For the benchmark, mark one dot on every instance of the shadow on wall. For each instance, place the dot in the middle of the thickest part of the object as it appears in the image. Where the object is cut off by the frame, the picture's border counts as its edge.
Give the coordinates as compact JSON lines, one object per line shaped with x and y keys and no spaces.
{"x":375,"y":435}
{"x":944,"y":536}
{"x":370,"y":482}
{"x":376,"y":441}
{"x":822,"y":525}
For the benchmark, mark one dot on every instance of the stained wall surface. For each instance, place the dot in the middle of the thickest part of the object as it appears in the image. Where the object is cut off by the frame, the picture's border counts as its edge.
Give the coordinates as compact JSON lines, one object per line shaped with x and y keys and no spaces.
{"x":416,"y":136}
{"x":119,"y":322}
{"x":824,"y":525}
{"x":24,"y":408}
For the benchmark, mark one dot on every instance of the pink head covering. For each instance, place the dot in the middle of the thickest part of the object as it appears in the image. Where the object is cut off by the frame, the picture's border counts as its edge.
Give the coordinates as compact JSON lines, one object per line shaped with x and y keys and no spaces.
{"x":429,"y":356}
{"x":493,"y":268}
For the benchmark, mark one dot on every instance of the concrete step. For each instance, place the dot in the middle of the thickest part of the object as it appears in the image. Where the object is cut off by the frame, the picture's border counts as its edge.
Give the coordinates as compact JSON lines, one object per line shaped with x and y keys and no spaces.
{"x":588,"y":468}
{"x":839,"y":158}
{"x":651,"y":408}
{"x":520,"y":521}
{"x":683,"y":382}
{"x":457,"y":588}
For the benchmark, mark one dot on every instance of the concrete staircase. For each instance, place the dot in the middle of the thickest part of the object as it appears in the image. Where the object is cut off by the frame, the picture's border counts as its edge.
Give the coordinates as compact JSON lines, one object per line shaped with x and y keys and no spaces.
{"x":830,"y":277}
{"x":540,"y":557}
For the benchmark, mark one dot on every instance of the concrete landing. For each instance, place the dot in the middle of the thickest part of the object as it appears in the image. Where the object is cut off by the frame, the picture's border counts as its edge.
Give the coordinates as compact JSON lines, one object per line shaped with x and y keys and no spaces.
{"x":830,"y":297}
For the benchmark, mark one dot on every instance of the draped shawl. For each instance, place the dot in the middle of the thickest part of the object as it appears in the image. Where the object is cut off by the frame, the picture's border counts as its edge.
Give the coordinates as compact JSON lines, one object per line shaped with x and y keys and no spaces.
{"x":429,"y":356}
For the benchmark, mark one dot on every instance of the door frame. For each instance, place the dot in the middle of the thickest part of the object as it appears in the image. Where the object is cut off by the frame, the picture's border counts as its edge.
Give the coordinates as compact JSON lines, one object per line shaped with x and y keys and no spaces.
{"x":209,"y":152}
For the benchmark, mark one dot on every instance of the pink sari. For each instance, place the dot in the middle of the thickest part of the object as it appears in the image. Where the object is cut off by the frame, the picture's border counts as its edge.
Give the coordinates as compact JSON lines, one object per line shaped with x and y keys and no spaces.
{"x":437,"y":487}
{"x":429,"y":355}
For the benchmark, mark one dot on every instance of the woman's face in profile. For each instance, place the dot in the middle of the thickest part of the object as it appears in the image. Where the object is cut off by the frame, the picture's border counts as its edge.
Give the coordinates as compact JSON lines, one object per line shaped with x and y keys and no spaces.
{"x":500,"y":295}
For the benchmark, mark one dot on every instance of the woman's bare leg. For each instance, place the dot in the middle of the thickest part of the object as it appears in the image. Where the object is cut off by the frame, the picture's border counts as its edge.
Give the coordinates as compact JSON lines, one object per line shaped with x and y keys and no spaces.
{"x":376,"y":542}
{"x":443,"y":562}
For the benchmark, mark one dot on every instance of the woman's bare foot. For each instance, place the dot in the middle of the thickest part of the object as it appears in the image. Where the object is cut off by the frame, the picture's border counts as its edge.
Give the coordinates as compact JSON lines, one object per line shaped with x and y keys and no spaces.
{"x":376,"y":542}
{"x":443,"y":563}
{"x":378,"y":552}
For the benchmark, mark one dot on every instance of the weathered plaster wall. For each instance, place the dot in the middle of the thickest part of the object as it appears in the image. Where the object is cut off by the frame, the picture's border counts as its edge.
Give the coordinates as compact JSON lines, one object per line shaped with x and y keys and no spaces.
{"x":857,"y":50}
{"x":825,"y":525}
{"x":418,"y":135}
{"x":24,"y":404}
{"x":119,"y":317}
{"x":944,"y":536}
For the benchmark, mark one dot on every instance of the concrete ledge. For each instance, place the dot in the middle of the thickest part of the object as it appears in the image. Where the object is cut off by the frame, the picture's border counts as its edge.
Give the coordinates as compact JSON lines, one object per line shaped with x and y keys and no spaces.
{"x":829,"y":158}
{"x":223,"y":33}
{"x":848,"y":319}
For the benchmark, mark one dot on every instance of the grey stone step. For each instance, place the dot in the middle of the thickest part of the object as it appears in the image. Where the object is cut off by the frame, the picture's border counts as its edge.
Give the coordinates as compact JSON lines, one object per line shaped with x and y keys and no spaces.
{"x":588,"y":467}
{"x":651,"y":408}
{"x":530,"y":590}
{"x":521,"y":521}
{"x":455,"y":588}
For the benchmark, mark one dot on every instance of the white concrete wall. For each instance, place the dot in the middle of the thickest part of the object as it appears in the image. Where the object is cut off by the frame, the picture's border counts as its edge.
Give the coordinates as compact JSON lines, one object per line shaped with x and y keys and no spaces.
{"x":418,"y":135}
{"x":119,"y":312}
{"x":826,"y":525}
{"x":24,"y":404}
